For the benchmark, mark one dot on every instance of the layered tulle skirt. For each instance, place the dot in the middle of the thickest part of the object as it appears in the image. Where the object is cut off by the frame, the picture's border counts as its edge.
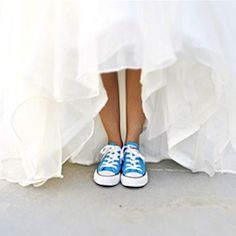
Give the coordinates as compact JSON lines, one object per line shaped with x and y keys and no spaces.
{"x":52,"y":55}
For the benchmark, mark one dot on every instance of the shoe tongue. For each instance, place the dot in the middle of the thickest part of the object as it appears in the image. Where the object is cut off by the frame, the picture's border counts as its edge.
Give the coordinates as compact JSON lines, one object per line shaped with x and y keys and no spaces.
{"x":132,"y":144}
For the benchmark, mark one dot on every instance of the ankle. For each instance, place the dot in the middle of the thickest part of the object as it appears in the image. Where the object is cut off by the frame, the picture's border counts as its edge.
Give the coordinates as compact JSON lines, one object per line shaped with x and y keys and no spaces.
{"x":132,"y":139}
{"x":117,"y":142}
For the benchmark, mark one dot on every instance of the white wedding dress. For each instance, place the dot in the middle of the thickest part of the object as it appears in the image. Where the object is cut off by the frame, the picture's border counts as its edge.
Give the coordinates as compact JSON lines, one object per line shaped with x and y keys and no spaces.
{"x":52,"y":54}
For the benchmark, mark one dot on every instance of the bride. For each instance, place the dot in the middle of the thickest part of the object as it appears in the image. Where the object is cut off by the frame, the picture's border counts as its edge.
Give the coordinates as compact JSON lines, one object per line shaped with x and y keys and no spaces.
{"x":155,"y":79}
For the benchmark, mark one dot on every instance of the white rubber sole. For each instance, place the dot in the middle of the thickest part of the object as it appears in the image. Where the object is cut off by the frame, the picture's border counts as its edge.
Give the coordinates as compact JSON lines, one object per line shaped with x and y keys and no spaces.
{"x":106,"y":180}
{"x":134,"y":182}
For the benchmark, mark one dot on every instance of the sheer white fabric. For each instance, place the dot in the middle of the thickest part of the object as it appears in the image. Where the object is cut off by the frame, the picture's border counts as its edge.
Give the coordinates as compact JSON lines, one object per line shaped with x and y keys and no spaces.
{"x":52,"y":54}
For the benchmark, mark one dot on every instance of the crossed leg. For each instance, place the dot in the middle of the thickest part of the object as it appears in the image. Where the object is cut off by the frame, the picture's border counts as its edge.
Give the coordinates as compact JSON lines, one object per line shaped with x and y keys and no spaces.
{"x":110,"y":114}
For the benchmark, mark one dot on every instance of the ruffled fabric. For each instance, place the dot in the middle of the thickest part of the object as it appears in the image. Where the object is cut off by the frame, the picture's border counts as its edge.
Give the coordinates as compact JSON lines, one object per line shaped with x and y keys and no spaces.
{"x":51,"y":92}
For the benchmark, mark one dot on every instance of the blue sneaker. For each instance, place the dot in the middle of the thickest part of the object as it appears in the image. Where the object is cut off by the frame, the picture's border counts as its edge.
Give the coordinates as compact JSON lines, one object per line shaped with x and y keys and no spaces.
{"x":109,"y":168}
{"x":134,"y":173}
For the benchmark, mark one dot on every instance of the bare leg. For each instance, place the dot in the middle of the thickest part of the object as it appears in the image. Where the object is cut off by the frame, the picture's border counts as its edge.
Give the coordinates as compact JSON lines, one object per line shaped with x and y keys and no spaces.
{"x":110,"y":114}
{"x":134,"y":113}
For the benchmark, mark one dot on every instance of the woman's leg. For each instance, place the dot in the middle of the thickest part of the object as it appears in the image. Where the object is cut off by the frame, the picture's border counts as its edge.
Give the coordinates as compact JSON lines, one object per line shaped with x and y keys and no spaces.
{"x":134,"y":113}
{"x":134,"y":171}
{"x":110,"y":114}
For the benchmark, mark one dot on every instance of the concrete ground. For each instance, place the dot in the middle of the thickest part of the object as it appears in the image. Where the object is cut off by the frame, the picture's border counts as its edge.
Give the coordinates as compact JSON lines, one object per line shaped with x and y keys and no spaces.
{"x":175,"y":202}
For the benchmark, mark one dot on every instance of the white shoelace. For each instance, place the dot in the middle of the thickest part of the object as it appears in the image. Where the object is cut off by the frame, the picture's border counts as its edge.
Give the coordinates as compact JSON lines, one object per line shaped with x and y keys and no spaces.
{"x":134,"y":154}
{"x":112,"y":155}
